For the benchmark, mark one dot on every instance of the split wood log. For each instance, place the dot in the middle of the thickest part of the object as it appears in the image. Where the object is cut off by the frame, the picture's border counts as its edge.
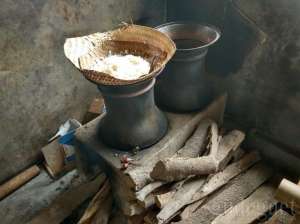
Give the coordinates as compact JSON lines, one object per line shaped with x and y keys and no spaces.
{"x":250,"y":209}
{"x":17,"y":181}
{"x":173,"y":169}
{"x":181,"y":198}
{"x":280,"y":217}
{"x":193,"y":147}
{"x":218,"y":180}
{"x":162,"y":199}
{"x":235,"y":191}
{"x":138,"y":177}
{"x":221,"y":178}
{"x":99,"y":208}
{"x":65,"y":202}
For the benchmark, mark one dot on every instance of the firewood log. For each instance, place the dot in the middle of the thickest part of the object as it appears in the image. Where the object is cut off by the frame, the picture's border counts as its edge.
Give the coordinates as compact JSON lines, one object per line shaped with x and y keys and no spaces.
{"x":250,"y":209}
{"x":173,"y":169}
{"x":234,"y":192}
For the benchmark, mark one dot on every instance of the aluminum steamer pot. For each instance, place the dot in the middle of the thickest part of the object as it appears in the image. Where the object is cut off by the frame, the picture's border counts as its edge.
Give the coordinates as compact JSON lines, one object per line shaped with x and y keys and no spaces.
{"x":184,"y":85}
{"x":132,"y":119}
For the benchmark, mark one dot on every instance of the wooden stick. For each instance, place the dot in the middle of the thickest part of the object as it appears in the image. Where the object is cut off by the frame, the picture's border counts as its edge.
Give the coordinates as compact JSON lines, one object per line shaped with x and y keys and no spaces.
{"x":234,"y":192}
{"x":19,"y":180}
{"x":250,"y":209}
{"x":97,"y":204}
{"x":179,"y":168}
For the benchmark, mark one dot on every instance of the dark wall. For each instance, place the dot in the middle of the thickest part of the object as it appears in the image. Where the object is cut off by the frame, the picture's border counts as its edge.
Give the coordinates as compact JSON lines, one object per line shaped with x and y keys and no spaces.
{"x":257,"y":61}
{"x":39,"y":88}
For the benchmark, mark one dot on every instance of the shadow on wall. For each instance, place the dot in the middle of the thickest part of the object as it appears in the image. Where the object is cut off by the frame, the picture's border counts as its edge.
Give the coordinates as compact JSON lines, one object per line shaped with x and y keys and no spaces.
{"x":257,"y":61}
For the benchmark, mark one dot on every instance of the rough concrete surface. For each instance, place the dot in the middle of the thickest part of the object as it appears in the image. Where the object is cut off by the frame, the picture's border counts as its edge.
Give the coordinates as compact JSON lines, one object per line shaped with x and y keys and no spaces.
{"x":40,"y":89}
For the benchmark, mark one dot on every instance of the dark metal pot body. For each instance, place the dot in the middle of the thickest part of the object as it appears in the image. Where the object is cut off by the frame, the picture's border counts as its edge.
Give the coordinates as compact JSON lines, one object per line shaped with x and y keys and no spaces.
{"x":184,"y":85}
{"x":132,"y":119}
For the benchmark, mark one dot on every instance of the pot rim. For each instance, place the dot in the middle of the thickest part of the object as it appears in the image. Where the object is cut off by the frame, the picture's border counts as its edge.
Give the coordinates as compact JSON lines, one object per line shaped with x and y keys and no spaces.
{"x":214,"y":28}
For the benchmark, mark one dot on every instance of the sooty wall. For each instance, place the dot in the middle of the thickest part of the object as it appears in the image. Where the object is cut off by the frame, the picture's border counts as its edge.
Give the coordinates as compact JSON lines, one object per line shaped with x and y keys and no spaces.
{"x":257,"y":61}
{"x":40,"y":89}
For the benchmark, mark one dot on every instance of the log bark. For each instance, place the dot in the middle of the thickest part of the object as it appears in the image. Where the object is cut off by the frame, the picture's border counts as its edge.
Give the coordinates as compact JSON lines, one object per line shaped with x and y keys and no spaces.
{"x":174,"y":169}
{"x":19,"y":180}
{"x":250,"y":209}
{"x":234,"y":192}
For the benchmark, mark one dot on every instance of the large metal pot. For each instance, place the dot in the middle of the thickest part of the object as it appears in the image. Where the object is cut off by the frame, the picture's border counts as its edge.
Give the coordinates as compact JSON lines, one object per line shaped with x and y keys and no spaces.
{"x":184,"y":84}
{"x":132,"y":119}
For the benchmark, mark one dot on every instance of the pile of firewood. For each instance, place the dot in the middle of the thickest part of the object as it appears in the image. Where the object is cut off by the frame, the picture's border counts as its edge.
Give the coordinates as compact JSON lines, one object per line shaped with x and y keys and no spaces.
{"x":182,"y":182}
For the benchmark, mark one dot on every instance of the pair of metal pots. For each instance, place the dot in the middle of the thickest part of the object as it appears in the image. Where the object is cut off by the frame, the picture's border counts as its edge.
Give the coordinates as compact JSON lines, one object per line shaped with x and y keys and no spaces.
{"x":133,"y":120}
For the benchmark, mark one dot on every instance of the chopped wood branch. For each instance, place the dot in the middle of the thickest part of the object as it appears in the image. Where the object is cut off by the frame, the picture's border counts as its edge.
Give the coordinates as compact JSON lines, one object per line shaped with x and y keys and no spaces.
{"x":179,"y":168}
